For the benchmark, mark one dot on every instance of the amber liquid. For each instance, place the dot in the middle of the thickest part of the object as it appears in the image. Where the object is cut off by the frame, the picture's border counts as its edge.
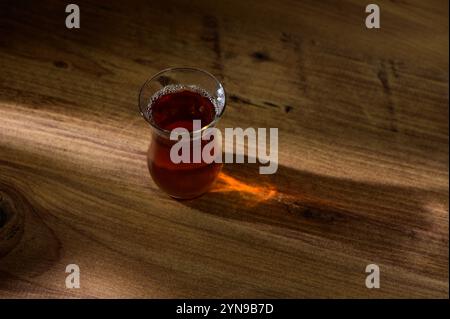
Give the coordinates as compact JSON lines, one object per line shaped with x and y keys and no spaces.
{"x":169,"y":111}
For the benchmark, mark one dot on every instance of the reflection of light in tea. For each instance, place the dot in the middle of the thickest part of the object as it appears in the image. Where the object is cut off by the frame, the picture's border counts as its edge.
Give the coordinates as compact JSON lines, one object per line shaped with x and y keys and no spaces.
{"x":226,"y":183}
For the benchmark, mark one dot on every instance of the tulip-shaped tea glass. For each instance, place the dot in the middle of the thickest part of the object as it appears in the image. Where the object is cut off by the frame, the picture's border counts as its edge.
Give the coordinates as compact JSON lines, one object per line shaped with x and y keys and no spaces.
{"x":173,"y":99}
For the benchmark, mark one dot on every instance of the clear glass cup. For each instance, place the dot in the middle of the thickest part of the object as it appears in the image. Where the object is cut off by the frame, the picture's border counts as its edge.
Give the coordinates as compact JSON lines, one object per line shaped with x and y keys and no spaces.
{"x":180,"y":180}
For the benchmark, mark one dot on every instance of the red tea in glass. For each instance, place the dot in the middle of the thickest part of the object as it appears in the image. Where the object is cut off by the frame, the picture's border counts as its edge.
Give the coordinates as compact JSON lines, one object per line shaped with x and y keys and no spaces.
{"x":184,"y":95}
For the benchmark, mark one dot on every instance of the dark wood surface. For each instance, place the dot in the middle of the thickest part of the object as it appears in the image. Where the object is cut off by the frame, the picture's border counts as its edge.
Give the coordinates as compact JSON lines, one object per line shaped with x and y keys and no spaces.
{"x":363,"y":150}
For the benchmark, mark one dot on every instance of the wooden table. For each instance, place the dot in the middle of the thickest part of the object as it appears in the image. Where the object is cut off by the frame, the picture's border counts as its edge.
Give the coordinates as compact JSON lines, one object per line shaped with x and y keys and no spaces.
{"x":363,"y":150}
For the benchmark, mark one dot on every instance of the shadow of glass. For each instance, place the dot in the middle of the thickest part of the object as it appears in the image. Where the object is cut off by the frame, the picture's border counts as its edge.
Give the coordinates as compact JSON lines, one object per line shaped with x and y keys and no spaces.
{"x":379,"y":220}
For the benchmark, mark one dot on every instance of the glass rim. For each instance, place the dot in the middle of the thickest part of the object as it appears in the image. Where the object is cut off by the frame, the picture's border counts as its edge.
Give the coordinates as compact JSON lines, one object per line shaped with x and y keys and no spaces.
{"x":191,"y":69}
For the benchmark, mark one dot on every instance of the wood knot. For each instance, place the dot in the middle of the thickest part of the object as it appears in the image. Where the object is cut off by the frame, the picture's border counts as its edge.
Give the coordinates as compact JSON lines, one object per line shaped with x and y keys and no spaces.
{"x":2,"y":215}
{"x":261,"y":56}
{"x":288,"y":108}
{"x":165,"y":80}
{"x":60,"y":64}
{"x":11,"y":225}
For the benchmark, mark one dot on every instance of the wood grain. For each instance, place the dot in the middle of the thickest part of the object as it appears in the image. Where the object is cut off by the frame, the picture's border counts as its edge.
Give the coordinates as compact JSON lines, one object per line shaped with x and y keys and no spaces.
{"x":363,"y":150}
